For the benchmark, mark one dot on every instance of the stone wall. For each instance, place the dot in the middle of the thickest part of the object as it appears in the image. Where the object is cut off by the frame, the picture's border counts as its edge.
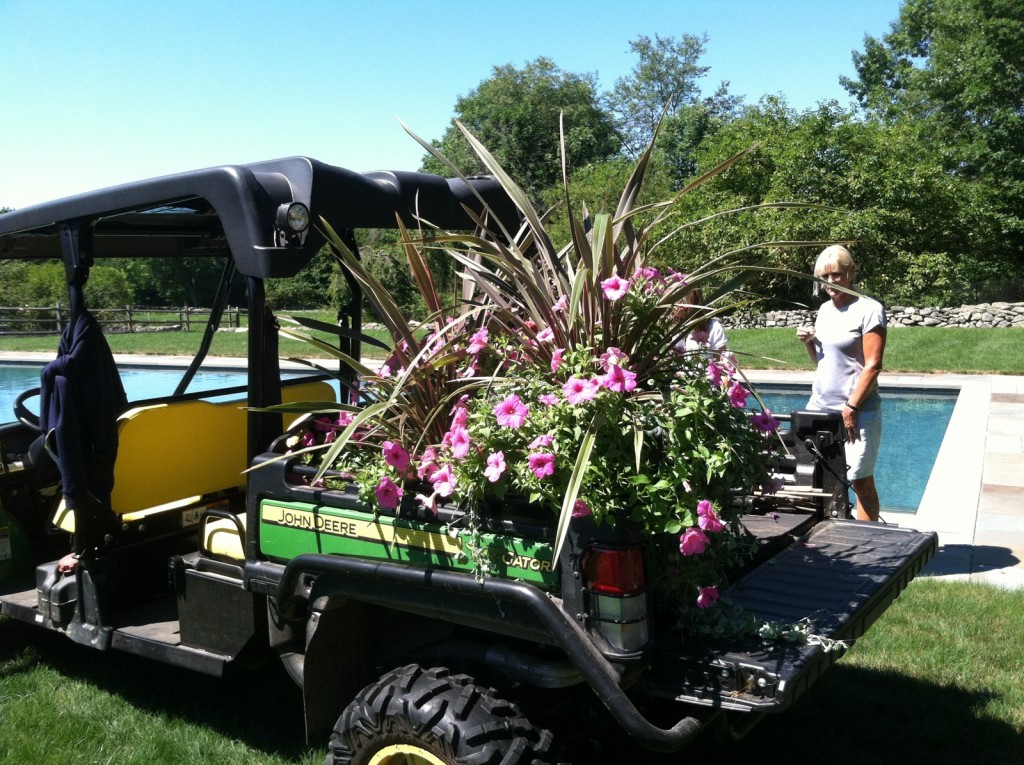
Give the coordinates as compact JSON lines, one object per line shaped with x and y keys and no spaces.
{"x":981,"y":315}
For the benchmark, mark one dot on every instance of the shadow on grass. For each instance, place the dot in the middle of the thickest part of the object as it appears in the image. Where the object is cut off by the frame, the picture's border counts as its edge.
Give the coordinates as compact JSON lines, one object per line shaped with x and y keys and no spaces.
{"x":260,"y":708}
{"x":854,"y":715}
{"x":866,"y":716}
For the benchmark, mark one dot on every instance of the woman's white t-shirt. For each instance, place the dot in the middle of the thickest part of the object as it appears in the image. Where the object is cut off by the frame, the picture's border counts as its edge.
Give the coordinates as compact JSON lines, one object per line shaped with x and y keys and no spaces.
{"x":839,"y":345}
{"x":716,"y":340}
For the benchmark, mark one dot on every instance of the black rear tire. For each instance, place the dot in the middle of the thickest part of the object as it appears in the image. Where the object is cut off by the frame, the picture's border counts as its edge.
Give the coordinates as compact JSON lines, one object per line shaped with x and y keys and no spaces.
{"x":432,"y":717}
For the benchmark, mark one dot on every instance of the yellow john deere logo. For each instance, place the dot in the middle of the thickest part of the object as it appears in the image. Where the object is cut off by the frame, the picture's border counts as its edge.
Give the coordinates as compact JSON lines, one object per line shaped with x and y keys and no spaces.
{"x":366,"y":530}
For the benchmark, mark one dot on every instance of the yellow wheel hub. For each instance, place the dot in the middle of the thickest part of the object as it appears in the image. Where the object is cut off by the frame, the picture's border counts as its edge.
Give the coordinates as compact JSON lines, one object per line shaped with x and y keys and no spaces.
{"x":405,"y":754}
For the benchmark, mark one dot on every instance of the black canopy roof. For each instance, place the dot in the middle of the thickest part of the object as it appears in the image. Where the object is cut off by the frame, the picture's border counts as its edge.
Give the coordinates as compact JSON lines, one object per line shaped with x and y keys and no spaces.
{"x":232,"y":209}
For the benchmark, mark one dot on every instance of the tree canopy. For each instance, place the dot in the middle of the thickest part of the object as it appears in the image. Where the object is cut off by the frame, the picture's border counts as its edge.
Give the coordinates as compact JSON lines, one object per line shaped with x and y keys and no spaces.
{"x":517,"y":113}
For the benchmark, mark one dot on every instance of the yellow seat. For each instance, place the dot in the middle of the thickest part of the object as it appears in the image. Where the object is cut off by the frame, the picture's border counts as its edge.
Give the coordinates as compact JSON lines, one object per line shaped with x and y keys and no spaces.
{"x":170,"y":455}
{"x":220,"y":538}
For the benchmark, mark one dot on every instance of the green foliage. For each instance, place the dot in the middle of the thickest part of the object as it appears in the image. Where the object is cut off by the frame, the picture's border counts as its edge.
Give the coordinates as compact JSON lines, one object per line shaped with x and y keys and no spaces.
{"x":517,"y":113}
{"x":24,"y":283}
{"x":664,"y":77}
{"x":179,"y":281}
{"x":951,"y":71}
{"x":318,"y":285}
{"x":919,"y":234}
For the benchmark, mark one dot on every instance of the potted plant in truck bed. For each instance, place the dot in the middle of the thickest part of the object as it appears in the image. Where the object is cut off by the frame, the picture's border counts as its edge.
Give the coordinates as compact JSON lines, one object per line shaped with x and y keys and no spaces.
{"x":562,"y":377}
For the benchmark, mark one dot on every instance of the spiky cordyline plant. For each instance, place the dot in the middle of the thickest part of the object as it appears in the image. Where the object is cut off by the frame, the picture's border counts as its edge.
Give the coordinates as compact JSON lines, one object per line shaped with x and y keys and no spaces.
{"x":532,"y":318}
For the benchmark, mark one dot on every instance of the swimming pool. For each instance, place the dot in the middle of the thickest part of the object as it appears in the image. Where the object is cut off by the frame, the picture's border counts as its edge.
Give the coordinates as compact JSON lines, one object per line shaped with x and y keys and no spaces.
{"x":139,"y":383}
{"x":915,"y":422}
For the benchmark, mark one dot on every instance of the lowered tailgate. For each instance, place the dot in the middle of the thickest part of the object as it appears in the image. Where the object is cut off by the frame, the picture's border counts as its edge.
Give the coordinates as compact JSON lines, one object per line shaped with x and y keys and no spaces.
{"x":841,"y":575}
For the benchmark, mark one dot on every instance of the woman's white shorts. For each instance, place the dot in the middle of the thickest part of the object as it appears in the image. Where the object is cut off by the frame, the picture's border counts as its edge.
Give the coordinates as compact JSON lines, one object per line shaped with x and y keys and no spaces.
{"x":862,"y":454}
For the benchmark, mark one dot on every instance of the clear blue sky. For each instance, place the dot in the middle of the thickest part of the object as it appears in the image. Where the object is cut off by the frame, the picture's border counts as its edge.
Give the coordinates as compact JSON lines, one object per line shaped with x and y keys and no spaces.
{"x":96,"y":92}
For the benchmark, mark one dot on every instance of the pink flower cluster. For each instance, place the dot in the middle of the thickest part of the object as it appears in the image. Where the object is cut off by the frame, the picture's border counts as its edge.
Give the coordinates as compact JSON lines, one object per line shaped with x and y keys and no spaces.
{"x":721,"y":376}
{"x":323,"y":430}
{"x":694,"y":541}
{"x":615,"y":378}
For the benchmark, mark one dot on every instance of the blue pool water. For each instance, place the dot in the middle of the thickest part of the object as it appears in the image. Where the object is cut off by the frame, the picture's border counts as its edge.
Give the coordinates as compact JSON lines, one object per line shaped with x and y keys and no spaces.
{"x":139,"y":383}
{"x":913,"y":425}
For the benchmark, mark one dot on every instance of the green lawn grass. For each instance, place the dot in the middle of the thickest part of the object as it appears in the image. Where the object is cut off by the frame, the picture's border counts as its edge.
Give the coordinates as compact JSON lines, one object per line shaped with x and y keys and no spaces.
{"x":920,"y":350}
{"x":936,"y":681}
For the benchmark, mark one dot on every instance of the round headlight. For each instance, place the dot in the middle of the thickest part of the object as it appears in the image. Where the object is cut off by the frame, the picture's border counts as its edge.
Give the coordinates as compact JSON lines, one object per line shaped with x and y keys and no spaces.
{"x":294,"y":217}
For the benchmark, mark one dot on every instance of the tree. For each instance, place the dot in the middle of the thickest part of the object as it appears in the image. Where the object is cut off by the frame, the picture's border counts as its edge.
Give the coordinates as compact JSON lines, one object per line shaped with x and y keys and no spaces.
{"x":921,"y":235}
{"x":955,"y":69}
{"x":665,"y":76}
{"x":177,"y":281}
{"x":24,"y":283}
{"x":516,"y":115}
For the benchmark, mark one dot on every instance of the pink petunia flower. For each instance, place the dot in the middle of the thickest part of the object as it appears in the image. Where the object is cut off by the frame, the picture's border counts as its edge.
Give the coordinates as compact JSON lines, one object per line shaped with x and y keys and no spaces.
{"x":676,"y":276}
{"x":323,"y":424}
{"x":388,"y":493}
{"x":737,"y":395}
{"x":478,"y":341}
{"x":615,"y":287}
{"x":700,"y":336}
{"x":614,"y":356}
{"x":495,"y":466}
{"x":542,"y":464}
{"x":715,"y":373}
{"x":580,"y":509}
{"x":577,"y":391}
{"x":443,"y":480}
{"x":707,"y":519}
{"x":385,"y":371}
{"x":428,"y":463}
{"x":396,"y":456}
{"x":511,"y":412}
{"x":764,"y":421}
{"x":650,"y":273}
{"x":706,"y":596}
{"x":561,"y":304}
{"x":460,"y":414}
{"x":618,"y":379}
{"x":459,"y":441}
{"x":548,"y":399}
{"x":693,"y":541}
{"x":556,"y":358}
{"x":542,"y":440}
{"x":546,"y":335}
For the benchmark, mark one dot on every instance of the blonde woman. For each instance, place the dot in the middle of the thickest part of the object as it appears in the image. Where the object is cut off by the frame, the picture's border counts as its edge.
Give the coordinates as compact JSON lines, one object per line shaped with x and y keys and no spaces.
{"x":846,"y":346}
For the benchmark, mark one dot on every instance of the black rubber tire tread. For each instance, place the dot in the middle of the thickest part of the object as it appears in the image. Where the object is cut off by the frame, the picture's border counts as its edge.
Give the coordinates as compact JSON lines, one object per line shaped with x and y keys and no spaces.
{"x":445,"y":714}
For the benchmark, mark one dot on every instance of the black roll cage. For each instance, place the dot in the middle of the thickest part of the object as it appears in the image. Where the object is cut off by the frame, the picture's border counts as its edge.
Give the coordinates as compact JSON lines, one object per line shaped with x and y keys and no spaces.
{"x":231,"y":212}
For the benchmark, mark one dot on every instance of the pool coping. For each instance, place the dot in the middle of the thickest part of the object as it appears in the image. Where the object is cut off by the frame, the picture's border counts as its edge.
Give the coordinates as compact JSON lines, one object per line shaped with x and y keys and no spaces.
{"x":974,"y":498}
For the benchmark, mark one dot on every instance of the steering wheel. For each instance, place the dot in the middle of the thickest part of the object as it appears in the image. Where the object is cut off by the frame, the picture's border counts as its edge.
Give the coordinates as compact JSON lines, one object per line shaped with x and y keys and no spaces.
{"x":24,"y":415}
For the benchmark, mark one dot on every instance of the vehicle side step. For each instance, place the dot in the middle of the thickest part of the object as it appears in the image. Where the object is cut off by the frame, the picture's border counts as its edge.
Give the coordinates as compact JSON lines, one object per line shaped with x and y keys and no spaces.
{"x":841,"y":576}
{"x":151,"y":631}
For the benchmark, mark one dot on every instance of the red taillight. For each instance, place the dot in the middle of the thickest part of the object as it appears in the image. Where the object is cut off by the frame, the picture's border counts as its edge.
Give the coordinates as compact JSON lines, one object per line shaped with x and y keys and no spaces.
{"x":614,"y":570}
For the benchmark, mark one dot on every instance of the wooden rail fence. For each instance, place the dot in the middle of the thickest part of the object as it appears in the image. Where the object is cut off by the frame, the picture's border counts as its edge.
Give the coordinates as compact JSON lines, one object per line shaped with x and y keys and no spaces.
{"x":50,"y":320}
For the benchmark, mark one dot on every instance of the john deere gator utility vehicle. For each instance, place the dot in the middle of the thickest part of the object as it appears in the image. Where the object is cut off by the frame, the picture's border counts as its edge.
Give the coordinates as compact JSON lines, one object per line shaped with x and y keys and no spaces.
{"x":196,"y":541}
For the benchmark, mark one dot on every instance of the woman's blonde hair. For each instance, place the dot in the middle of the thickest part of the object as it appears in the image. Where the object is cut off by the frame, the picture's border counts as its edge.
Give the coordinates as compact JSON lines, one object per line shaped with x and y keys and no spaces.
{"x":835,"y":256}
